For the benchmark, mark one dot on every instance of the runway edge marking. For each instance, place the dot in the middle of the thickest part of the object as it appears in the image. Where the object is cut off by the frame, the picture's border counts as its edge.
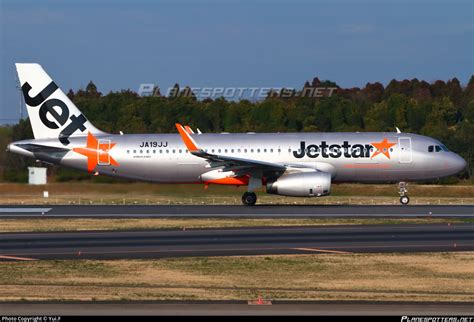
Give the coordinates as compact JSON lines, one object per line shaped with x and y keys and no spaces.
{"x":24,"y":210}
{"x":322,"y":250}
{"x":18,"y":258}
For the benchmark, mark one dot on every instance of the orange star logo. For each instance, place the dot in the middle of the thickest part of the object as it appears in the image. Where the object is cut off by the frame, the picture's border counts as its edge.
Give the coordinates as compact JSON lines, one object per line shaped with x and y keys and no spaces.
{"x":382,"y":147}
{"x":96,"y":153}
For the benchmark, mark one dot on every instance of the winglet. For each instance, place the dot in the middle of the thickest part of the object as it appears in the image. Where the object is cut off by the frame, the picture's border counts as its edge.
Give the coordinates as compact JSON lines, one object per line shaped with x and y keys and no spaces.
{"x":187,"y":139}
{"x":188,"y":129}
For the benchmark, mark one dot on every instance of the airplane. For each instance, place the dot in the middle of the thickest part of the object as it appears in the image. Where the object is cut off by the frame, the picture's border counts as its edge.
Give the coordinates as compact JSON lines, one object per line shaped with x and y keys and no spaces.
{"x":288,"y":164}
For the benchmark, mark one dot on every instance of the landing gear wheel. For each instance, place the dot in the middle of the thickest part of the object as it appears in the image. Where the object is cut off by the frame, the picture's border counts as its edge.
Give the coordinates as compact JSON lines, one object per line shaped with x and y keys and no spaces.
{"x":403,"y":191}
{"x":249,"y":198}
{"x":404,"y":200}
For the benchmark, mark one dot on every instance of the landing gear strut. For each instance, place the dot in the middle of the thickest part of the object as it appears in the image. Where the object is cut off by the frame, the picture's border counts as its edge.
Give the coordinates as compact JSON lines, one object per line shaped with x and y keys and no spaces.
{"x":249,"y":198}
{"x":403,"y":191}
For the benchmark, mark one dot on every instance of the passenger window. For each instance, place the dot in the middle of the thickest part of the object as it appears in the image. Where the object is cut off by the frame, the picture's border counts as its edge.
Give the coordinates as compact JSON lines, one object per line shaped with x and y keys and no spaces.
{"x":430,"y":148}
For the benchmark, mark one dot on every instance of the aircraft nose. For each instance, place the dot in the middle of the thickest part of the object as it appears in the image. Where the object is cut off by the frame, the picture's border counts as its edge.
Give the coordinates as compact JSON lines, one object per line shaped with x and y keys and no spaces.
{"x":458,"y":163}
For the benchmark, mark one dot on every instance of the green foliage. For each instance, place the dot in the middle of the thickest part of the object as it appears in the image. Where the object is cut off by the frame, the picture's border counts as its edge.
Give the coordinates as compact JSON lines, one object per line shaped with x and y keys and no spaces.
{"x":443,"y":110}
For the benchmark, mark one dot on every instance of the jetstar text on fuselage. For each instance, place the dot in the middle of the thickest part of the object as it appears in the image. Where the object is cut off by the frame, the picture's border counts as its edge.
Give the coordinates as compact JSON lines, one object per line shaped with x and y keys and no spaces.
{"x":325,"y":150}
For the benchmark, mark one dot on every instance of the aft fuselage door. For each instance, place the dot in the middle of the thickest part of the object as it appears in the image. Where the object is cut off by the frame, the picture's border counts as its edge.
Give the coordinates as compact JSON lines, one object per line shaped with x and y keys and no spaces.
{"x":404,"y":154}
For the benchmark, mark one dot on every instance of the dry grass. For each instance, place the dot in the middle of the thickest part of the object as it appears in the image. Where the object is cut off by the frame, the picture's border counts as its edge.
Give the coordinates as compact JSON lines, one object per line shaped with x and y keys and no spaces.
{"x":80,"y":224}
{"x":145,"y":193}
{"x":380,"y":277}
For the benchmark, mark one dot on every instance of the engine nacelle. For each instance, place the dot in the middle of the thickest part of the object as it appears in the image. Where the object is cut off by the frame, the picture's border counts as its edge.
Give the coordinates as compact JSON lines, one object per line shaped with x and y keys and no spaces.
{"x":301,"y":184}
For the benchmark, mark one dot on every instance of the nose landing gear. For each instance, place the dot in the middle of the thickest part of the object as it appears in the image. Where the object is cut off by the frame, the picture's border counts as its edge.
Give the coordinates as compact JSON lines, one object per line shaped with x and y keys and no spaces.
{"x":249,"y":198}
{"x":403,"y":191}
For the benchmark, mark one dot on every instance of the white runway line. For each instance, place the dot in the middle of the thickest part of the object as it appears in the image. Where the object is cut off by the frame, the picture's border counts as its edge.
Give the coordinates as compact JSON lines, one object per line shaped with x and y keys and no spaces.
{"x":17,"y":258}
{"x":24,"y":210}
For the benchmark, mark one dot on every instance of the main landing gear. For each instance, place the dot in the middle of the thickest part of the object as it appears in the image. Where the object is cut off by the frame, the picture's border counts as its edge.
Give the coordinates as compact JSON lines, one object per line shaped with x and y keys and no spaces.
{"x":249,"y":198}
{"x":403,"y":191}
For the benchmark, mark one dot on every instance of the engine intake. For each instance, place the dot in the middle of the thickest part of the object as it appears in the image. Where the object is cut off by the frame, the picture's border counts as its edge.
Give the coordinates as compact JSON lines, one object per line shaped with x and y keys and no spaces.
{"x":301,"y":184}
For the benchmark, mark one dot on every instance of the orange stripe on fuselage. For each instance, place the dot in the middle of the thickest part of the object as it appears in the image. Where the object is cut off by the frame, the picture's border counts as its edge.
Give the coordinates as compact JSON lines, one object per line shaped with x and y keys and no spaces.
{"x":367,"y":166}
{"x":236,"y":181}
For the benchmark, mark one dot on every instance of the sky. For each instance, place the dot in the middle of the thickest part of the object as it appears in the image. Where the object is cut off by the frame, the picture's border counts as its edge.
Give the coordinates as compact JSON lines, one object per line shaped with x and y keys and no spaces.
{"x":122,"y":44}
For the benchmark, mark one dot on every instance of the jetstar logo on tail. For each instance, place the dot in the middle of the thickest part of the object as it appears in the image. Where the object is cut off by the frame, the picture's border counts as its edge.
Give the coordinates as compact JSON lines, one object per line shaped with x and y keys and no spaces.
{"x":56,"y":109}
{"x":97,"y":153}
{"x":345,"y":149}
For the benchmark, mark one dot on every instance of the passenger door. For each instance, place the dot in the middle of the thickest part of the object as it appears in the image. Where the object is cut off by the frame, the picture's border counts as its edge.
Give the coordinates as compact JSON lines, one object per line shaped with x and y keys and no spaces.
{"x":404,"y":155}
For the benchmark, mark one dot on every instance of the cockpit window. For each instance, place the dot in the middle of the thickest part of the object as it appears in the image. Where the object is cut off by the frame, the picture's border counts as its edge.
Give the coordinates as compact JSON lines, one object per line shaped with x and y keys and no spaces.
{"x":444,"y":148}
{"x":437,"y":148}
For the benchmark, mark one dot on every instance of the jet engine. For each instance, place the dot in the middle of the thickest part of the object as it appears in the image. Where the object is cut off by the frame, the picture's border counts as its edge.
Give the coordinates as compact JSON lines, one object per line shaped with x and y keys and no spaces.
{"x":301,"y":184}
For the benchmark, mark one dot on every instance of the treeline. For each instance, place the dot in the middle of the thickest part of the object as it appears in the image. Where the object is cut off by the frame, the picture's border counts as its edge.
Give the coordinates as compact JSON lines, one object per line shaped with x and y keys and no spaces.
{"x":443,"y":110}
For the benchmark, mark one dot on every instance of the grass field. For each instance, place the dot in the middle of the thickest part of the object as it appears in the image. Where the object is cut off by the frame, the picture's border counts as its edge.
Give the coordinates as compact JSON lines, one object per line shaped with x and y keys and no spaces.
{"x":379,"y":277}
{"x":82,"y":224}
{"x":144,"y":193}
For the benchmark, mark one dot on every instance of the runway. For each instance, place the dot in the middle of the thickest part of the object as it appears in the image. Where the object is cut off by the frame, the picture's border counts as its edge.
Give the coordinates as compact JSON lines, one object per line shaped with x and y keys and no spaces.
{"x":237,"y":308}
{"x":240,"y":241}
{"x":222,"y":211}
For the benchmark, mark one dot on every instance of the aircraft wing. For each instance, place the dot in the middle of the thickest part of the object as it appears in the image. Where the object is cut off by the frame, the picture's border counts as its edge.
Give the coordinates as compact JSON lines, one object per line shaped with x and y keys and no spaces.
{"x":230,"y":163}
{"x":238,"y":162}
